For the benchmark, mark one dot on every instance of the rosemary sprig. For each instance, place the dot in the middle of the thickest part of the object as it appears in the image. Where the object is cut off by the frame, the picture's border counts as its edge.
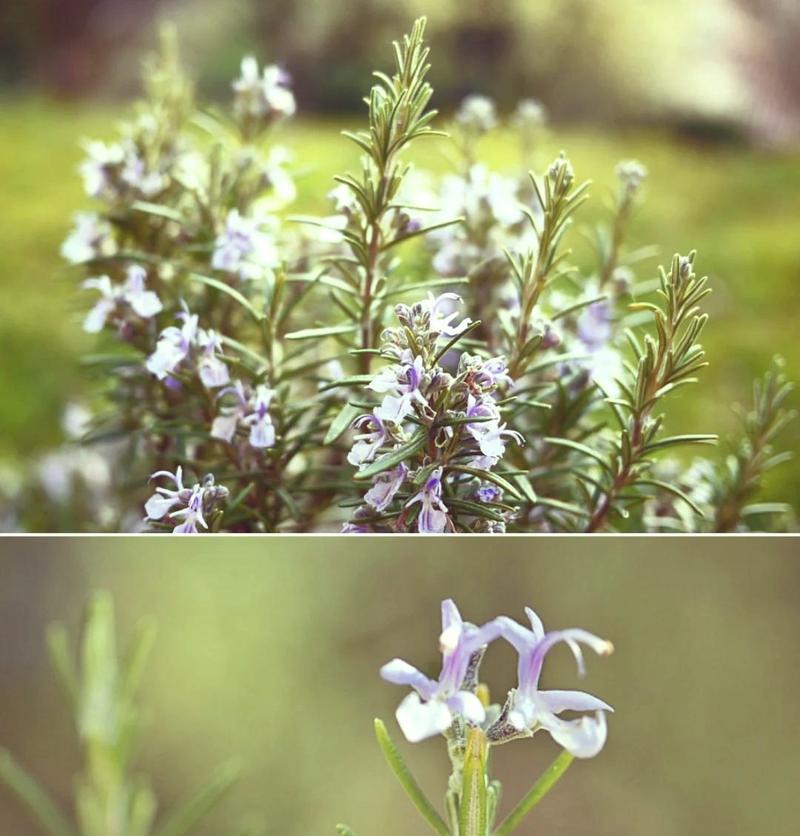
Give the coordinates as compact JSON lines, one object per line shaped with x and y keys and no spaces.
{"x":664,"y":362}
{"x":754,"y":456}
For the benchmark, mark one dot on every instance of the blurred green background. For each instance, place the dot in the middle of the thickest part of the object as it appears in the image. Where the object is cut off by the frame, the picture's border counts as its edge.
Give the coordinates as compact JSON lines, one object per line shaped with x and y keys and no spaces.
{"x":270,"y":651}
{"x":706,"y":95}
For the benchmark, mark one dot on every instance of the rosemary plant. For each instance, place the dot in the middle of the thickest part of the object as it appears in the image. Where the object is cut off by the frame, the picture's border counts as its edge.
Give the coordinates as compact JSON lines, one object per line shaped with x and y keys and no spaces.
{"x":236,"y":349}
{"x":101,"y":690}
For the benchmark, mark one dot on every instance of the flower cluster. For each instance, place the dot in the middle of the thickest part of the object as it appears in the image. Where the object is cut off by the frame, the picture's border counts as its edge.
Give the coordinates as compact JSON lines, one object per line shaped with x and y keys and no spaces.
{"x":264,"y":95}
{"x":248,"y":409}
{"x":451,"y":704}
{"x":191,"y":506}
{"x":448,"y":424}
{"x":120,"y":301}
{"x":189,"y":347}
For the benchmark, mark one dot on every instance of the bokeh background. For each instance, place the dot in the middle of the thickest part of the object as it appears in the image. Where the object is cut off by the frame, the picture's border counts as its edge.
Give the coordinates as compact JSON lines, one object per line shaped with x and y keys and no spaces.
{"x":705,"y":94}
{"x":270,"y":651}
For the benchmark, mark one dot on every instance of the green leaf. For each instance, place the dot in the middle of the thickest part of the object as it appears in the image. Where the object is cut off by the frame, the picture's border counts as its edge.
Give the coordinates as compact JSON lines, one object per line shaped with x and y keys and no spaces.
{"x":341,"y":422}
{"x":344,"y":830}
{"x":31,"y":795}
{"x":136,"y":658}
{"x":156,"y":209}
{"x":393,"y":458}
{"x":676,"y":440}
{"x":524,"y":483}
{"x":328,"y":331}
{"x":197,"y":806}
{"x":407,"y":780}
{"x":675,"y":491}
{"x":536,"y":793}
{"x":580,"y":448}
{"x":352,"y":380}
{"x":229,"y":291}
{"x":766,"y":508}
{"x":62,"y":662}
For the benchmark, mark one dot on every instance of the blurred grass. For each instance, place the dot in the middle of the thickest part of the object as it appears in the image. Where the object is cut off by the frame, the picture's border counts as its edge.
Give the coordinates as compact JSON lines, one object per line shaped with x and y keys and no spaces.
{"x":739,"y":208}
{"x":270,"y":650}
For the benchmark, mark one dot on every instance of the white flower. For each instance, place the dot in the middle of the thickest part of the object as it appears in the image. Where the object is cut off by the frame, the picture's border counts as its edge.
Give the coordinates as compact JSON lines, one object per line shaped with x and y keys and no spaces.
{"x":477,"y":113}
{"x":132,"y":293}
{"x":91,"y":238}
{"x":246,"y":246}
{"x":265,"y":95}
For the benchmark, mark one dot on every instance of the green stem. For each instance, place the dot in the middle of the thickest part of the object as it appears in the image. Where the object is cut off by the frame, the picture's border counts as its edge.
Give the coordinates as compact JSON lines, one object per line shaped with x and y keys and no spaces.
{"x":407,"y":780}
{"x":536,"y":793}
{"x":33,"y":797}
{"x":473,"y":818}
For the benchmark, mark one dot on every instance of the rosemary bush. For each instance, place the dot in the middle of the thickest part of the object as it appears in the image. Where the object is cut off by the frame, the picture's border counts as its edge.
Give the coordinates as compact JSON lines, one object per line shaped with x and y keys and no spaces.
{"x":427,"y":357}
{"x":111,"y":797}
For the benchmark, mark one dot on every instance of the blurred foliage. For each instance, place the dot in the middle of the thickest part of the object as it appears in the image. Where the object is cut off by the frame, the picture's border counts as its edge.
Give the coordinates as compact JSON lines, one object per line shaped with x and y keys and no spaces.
{"x":738,"y":207}
{"x":270,"y":650}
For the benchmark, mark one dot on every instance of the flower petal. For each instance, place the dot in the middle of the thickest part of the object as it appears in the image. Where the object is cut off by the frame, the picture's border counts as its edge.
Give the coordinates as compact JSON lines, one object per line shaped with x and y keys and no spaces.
{"x":558,"y":701}
{"x":158,"y":506}
{"x":468,"y":706}
{"x":420,"y":720}
{"x":399,"y":672}
{"x":583,"y":738}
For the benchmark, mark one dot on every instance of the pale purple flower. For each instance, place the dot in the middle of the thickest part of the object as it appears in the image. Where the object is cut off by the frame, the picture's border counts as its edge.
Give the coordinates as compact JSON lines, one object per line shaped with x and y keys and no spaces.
{"x":182,"y":503}
{"x":211,"y":370}
{"x":488,"y":493}
{"x":176,"y":345}
{"x":134,"y":173}
{"x":435,"y":704}
{"x":488,"y":431}
{"x":91,"y":237}
{"x":594,"y":325}
{"x":262,"y":431}
{"x":226,"y":422}
{"x":493,"y":373}
{"x":384,"y":487}
{"x":100,"y":158}
{"x":132,"y":293}
{"x":432,"y":517}
{"x":394,"y":409}
{"x":441,"y":321}
{"x":262,"y":95}
{"x":404,"y":378}
{"x":245,"y":247}
{"x":173,"y":346}
{"x":531,"y":709}
{"x":192,"y":514}
{"x":368,"y":442}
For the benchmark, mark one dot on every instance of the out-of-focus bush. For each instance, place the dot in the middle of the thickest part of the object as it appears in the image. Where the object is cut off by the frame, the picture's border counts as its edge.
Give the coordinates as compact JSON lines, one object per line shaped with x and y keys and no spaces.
{"x":585,"y":59}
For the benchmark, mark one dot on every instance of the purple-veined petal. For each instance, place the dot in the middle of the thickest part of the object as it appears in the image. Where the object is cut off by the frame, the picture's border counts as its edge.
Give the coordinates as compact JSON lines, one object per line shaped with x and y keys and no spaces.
{"x":262,"y":433}
{"x":558,"y":701}
{"x":399,"y":672}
